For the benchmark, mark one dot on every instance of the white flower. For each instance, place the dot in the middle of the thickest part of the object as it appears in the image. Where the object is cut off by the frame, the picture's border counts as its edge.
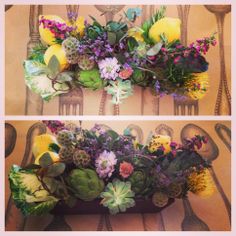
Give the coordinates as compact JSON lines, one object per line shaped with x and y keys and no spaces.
{"x":105,"y":164}
{"x":109,"y":68}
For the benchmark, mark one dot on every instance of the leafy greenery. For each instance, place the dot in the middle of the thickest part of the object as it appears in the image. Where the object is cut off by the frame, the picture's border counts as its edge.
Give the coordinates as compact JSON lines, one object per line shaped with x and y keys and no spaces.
{"x":28,"y":192}
{"x":37,"y":53}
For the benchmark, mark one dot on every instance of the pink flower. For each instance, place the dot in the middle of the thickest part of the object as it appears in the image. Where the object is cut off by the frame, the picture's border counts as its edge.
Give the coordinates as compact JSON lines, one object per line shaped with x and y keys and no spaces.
{"x":126,"y":73}
{"x":126,"y":169}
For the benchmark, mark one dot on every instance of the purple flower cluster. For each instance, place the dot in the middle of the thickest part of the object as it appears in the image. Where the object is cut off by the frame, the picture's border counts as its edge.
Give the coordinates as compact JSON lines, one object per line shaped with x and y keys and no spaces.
{"x":197,"y":141}
{"x":60,"y":30}
{"x":98,"y":48}
{"x":105,"y":164}
{"x":203,"y":45}
{"x":195,"y":49}
{"x":54,"y":125}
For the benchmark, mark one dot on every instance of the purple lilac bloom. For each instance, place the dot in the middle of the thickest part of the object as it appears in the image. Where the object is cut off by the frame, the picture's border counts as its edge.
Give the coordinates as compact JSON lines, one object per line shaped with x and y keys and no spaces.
{"x":157,"y":86}
{"x":60,"y":30}
{"x":105,"y":164}
{"x":109,"y":68}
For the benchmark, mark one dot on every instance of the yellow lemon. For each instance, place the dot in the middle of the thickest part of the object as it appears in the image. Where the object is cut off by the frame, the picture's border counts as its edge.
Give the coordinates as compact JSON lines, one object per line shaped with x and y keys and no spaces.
{"x":54,"y":156}
{"x":160,"y":141}
{"x":41,"y":143}
{"x":197,"y":86}
{"x":136,"y":33}
{"x":56,"y":50}
{"x":46,"y":35}
{"x":168,"y":26}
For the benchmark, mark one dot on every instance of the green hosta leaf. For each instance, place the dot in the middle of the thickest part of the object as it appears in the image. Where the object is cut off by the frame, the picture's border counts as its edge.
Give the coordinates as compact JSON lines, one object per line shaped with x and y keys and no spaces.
{"x":54,"y":65}
{"x":115,"y":26}
{"x":112,"y":134}
{"x":52,"y":184}
{"x":127,"y":131}
{"x":64,"y":77}
{"x":34,"y":68}
{"x":56,"y":169}
{"x":45,"y":160}
{"x":154,"y":50}
{"x":54,"y":147}
{"x":111,"y":37}
{"x":132,"y":13}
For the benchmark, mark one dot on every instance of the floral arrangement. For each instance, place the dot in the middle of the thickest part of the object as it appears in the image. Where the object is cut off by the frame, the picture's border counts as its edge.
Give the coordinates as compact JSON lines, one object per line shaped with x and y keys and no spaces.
{"x":117,"y":56}
{"x":73,"y":163}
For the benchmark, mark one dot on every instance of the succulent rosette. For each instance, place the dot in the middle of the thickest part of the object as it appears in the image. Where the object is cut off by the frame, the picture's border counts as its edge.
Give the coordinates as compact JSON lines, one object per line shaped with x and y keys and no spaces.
{"x":118,"y":196}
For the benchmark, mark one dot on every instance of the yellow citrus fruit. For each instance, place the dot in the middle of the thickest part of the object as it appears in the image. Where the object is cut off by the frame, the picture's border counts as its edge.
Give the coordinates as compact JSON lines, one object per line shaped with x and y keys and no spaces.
{"x":56,"y":50}
{"x":54,"y":156}
{"x":136,"y":33}
{"x":158,"y":141}
{"x":41,"y":143}
{"x":46,"y":35}
{"x":168,"y":26}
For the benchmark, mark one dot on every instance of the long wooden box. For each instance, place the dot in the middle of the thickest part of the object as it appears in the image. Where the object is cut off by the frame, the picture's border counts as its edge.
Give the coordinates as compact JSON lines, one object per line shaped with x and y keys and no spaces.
{"x":94,"y":207}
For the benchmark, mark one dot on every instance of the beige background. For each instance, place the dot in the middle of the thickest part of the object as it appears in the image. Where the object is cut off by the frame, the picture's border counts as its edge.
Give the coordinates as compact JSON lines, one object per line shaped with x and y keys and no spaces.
{"x":201,"y":23}
{"x":210,"y":210}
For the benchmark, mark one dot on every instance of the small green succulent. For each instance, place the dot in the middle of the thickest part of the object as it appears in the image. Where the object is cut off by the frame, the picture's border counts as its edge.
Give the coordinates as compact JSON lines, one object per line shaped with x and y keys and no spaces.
{"x":90,"y":79}
{"x":85,"y":183}
{"x":142,"y":183}
{"x":118,"y":196}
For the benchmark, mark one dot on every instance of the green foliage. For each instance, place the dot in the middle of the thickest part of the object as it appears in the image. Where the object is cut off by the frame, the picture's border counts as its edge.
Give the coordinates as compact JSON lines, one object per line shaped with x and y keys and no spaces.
{"x":139,"y":77}
{"x":35,"y":68}
{"x":175,"y":74}
{"x":118,"y":196}
{"x":119,"y":90}
{"x":90,"y":79}
{"x":153,"y":51}
{"x":28,"y":192}
{"x":37,"y":79}
{"x":85,"y":184}
{"x":183,"y":160}
{"x":132,"y":13}
{"x":37,"y":53}
{"x":54,"y":147}
{"x":56,"y":169}
{"x":141,"y":182}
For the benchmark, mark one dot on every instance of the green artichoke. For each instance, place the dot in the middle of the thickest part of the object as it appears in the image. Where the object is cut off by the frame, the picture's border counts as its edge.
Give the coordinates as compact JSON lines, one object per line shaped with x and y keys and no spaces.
{"x":141,"y":182}
{"x":85,"y":183}
{"x":118,"y":196}
{"x":90,"y":79}
{"x":139,"y":78}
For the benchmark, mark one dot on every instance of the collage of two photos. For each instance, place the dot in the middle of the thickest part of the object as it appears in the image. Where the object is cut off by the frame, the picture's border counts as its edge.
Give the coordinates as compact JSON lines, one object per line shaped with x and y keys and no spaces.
{"x":68,"y":167}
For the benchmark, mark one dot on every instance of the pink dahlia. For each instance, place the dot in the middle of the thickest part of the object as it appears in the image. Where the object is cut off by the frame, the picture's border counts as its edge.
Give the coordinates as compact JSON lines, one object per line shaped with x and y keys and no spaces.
{"x":126,"y":169}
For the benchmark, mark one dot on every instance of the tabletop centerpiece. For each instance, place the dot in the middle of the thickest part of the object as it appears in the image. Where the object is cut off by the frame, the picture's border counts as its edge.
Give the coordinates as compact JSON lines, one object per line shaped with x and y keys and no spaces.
{"x":116,"y":56}
{"x":104,"y":170}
